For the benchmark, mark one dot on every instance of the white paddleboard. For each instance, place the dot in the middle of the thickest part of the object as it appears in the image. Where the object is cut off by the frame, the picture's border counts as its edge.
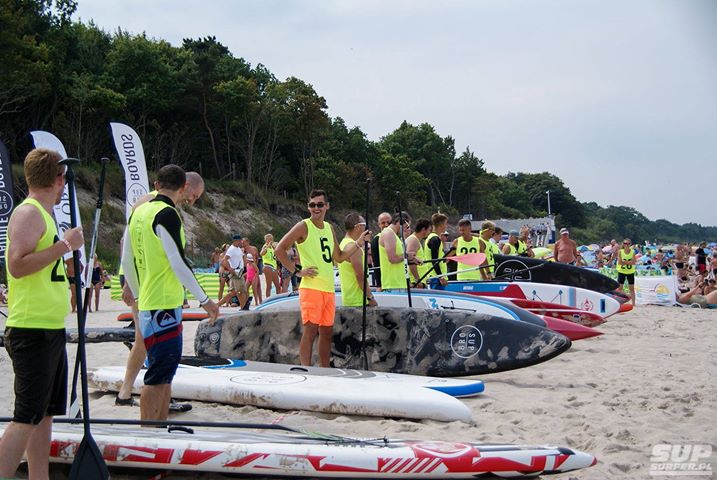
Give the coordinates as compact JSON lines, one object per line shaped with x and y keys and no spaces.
{"x":455,"y":387}
{"x":292,"y":455}
{"x":299,"y":392}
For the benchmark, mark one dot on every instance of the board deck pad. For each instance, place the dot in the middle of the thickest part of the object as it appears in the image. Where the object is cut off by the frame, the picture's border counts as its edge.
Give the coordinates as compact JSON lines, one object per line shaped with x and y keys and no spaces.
{"x":399,"y":340}
{"x":293,"y":455}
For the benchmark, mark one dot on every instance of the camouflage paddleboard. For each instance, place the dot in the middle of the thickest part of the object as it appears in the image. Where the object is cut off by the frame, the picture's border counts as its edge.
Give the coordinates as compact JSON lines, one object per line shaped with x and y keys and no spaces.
{"x":399,"y":340}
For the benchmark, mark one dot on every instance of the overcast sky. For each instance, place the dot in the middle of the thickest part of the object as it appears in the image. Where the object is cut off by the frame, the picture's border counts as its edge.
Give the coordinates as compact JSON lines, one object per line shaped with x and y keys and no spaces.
{"x":618,"y":98}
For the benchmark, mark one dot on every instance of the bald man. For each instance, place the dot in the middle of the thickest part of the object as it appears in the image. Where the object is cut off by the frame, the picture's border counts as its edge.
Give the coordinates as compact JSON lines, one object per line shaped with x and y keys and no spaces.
{"x":193,"y":189}
{"x":384,"y":220}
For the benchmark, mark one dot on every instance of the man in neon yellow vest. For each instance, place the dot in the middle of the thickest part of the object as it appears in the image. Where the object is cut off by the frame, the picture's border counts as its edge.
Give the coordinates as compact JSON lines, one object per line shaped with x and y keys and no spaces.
{"x":390,"y":250}
{"x":351,"y":272}
{"x":38,"y":303}
{"x":487,"y":229}
{"x":418,"y":254}
{"x":156,"y":273}
{"x":434,"y":245}
{"x":626,"y":267}
{"x":193,"y":190}
{"x":318,"y":248}
{"x":467,"y":243}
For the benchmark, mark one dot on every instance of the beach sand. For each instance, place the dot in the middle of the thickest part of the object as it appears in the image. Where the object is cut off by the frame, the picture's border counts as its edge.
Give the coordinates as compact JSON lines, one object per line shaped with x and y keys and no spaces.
{"x":649,"y":380}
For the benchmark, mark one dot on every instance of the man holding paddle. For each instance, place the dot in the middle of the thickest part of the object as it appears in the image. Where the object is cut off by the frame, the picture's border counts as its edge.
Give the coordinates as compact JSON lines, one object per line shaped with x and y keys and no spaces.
{"x":35,"y":331}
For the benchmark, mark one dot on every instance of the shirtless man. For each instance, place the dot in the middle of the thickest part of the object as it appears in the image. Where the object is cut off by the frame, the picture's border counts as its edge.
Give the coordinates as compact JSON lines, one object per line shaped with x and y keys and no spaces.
{"x":566,"y":250}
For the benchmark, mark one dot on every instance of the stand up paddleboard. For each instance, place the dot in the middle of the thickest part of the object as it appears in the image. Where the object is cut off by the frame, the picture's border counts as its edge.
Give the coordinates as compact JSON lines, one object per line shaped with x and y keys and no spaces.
{"x":526,"y":269}
{"x":450,"y":386}
{"x":295,"y":455}
{"x":398,"y":340}
{"x":578,"y":298}
{"x":94,"y":335}
{"x":295,"y":391}
{"x":451,"y":301}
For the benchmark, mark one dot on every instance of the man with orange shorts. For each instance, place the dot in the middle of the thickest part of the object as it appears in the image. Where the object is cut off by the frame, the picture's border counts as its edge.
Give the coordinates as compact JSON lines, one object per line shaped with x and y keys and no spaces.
{"x":318,"y":249}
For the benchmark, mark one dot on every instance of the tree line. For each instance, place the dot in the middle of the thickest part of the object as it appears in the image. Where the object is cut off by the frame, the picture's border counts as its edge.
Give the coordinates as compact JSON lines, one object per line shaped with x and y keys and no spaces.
{"x":201,"y":107}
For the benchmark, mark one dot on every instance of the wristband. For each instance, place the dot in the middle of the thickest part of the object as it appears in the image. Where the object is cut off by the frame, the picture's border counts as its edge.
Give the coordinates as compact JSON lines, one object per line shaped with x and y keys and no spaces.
{"x":67,"y":244}
{"x":204,"y":302}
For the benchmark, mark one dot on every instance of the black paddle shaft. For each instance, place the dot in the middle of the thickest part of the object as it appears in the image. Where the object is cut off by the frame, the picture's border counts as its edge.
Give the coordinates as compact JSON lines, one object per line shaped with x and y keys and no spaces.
{"x":405,"y":253}
{"x":88,"y":462}
{"x":365,"y":287}
{"x":88,"y":279}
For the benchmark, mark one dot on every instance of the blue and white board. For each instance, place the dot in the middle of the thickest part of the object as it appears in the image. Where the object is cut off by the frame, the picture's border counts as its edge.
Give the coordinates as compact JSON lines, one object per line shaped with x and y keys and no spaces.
{"x":298,"y":391}
{"x":454,"y":387}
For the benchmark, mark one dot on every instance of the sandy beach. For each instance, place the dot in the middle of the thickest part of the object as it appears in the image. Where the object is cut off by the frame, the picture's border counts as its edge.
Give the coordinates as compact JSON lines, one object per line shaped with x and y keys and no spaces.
{"x":650,"y":379}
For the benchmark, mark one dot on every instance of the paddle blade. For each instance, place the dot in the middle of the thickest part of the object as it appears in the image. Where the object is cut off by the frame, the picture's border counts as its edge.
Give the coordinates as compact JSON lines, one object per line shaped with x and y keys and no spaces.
{"x":88,"y":461}
{"x":474,"y":259}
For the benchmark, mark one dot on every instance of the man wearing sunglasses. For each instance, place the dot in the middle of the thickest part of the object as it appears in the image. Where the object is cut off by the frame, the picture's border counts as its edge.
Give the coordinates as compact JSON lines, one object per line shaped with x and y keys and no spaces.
{"x":35,"y":330}
{"x":626,"y":267}
{"x":319,"y":250}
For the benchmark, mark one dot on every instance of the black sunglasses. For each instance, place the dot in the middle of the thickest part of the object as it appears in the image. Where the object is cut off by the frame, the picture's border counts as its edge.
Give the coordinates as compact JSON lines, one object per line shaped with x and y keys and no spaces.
{"x":317,"y":205}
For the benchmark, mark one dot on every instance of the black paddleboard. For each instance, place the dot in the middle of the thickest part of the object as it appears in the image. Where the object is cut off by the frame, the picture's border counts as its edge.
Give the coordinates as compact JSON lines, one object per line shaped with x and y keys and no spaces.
{"x":526,"y":269}
{"x":94,"y":335}
{"x":400,"y":340}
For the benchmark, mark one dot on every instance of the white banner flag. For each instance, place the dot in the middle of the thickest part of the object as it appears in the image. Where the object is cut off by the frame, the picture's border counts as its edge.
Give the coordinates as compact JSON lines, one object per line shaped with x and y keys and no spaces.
{"x":62,"y":210}
{"x":660,"y":290}
{"x":131,"y":155}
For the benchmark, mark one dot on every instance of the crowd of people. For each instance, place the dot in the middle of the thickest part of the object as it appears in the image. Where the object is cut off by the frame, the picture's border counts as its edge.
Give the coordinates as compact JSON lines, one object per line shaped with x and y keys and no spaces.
{"x":240,"y":266}
{"x":155,"y":275}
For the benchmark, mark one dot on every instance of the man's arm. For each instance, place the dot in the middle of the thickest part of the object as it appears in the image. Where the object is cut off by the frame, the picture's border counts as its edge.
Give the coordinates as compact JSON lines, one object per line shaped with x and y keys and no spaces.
{"x":25,"y":229}
{"x":412,"y":246}
{"x":343,"y":255}
{"x":131,"y":281}
{"x":389,"y":243}
{"x":297,"y":234}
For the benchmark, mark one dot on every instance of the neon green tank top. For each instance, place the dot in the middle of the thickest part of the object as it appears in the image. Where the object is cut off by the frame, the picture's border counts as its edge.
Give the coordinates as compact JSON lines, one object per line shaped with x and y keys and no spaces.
{"x":393,"y":275}
{"x":317,"y":251}
{"x":626,"y":269}
{"x":269,"y":258}
{"x":464,"y":247}
{"x":159,"y":287}
{"x":488,"y":254}
{"x":422,"y":254}
{"x":428,"y":252}
{"x":494,"y":248}
{"x":41,"y":299}
{"x":513,"y":250}
{"x":522,"y":247}
{"x":351,"y":291}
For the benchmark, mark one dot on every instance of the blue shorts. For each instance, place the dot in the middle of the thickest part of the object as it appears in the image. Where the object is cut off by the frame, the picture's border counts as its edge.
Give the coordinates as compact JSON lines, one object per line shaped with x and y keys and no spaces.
{"x":162,"y":333}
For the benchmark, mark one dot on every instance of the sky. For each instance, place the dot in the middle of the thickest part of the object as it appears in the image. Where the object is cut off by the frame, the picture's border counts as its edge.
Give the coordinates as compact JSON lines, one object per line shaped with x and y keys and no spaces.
{"x":617,"y":98}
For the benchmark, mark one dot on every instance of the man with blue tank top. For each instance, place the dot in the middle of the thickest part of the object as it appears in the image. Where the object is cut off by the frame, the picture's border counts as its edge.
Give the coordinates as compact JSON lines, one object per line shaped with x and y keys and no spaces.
{"x":318,"y":249}
{"x":35,"y":330}
{"x":156,"y":273}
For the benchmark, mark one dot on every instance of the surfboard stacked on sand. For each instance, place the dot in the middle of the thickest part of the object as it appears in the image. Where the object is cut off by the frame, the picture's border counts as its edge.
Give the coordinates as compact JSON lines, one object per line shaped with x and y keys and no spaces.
{"x":299,"y":454}
{"x":290,"y":387}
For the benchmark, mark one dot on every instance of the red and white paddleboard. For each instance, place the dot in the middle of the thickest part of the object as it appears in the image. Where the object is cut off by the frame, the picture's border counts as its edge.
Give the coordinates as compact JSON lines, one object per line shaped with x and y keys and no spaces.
{"x":292,"y":455}
{"x":577,"y":298}
{"x":564,"y":312}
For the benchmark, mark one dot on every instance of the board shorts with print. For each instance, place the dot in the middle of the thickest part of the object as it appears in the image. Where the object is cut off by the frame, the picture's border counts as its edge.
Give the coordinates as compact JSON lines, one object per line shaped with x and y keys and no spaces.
{"x":162,"y":333}
{"x":317,"y":307}
{"x":39,"y":360}
{"x":238,"y":284}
